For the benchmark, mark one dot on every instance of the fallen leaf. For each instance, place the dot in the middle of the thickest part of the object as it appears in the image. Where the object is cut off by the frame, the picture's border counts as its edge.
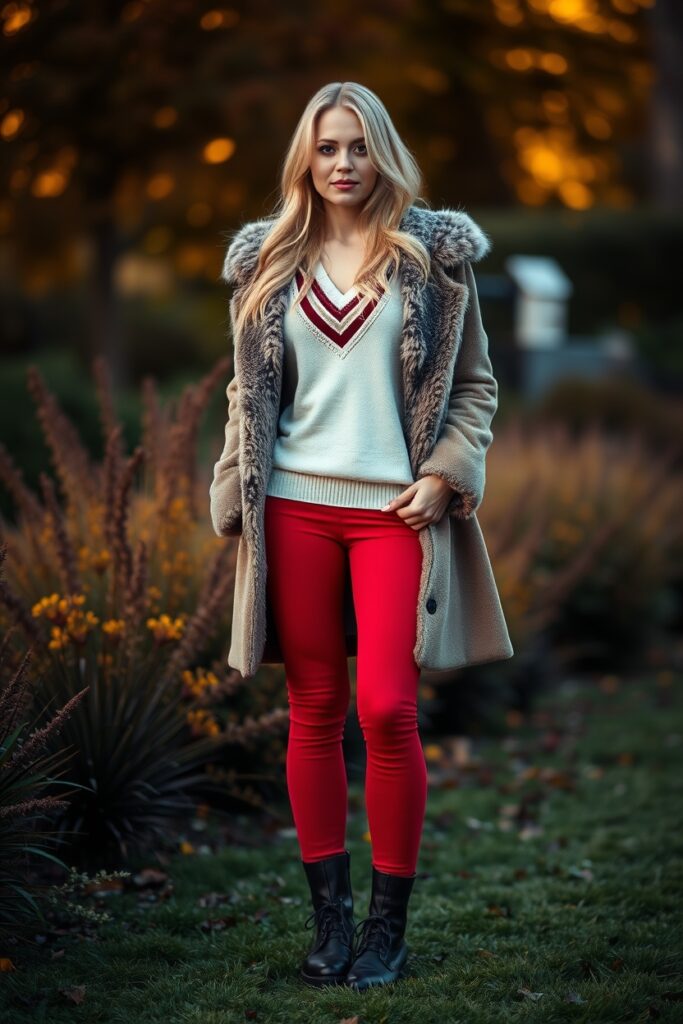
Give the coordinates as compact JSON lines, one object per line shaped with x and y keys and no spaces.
{"x":499,"y":910}
{"x":106,"y":887}
{"x":560,"y":780}
{"x":217,"y":924}
{"x":214,"y":899}
{"x":461,"y":750}
{"x":530,"y":832}
{"x":476,"y":823}
{"x":75,"y":994}
{"x":149,"y":877}
{"x":526,"y":994}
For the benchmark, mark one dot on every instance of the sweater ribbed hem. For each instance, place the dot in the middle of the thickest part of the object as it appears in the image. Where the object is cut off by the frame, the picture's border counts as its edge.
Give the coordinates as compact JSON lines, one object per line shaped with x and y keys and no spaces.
{"x":331,"y":490}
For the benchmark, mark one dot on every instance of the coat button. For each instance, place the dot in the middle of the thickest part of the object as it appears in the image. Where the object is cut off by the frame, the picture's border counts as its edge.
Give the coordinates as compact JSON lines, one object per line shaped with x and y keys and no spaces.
{"x":431,"y":605}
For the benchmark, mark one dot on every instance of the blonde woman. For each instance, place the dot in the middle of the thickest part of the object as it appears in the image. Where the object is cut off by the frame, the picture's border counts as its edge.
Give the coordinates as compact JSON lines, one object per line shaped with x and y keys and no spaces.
{"x":358,"y":422}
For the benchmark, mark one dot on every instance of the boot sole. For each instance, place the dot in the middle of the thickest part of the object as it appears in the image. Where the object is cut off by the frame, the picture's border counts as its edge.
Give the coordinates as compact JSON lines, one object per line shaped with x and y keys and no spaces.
{"x":328,"y":979}
{"x":399,"y":973}
{"x":377,"y":984}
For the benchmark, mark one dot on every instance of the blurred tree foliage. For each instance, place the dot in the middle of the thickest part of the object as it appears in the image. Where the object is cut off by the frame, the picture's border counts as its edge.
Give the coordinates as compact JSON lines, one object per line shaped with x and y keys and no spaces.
{"x":135,"y":135}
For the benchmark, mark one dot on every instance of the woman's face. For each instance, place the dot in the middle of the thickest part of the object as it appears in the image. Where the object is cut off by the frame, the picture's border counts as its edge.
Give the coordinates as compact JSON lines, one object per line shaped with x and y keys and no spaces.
{"x":340,"y":154}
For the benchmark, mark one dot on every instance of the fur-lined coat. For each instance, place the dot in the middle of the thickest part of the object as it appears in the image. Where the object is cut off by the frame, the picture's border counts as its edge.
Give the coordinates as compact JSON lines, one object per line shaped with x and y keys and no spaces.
{"x":450,"y":398}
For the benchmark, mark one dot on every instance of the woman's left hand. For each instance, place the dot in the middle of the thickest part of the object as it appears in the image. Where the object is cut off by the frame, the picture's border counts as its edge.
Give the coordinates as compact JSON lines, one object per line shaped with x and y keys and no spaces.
{"x":423,"y":502}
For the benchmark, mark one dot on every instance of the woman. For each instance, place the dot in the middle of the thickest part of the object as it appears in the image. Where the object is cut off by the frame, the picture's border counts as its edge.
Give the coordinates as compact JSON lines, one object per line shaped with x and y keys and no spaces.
{"x":358,"y":422}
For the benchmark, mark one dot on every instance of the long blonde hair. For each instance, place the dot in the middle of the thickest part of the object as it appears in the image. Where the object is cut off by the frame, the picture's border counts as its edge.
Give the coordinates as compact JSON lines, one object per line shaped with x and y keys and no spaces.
{"x":296,"y":237}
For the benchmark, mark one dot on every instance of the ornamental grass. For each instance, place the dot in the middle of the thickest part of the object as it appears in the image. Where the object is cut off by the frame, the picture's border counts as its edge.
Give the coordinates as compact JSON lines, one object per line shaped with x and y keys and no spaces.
{"x":586,"y":536}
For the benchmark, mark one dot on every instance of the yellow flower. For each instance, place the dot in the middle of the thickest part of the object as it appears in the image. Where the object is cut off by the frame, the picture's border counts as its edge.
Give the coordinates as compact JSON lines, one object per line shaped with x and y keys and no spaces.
{"x":46,"y":603}
{"x":202,"y":723}
{"x":166,"y":629}
{"x":196,"y":683}
{"x":70,"y":623}
{"x":59,"y":639}
{"x":100,"y":560}
{"x":433,"y":752}
{"x":113,"y":628}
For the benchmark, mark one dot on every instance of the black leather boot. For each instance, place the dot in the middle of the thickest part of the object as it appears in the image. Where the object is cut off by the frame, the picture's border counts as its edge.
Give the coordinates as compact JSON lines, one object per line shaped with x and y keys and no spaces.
{"x":382,"y":950}
{"x":332,"y":951}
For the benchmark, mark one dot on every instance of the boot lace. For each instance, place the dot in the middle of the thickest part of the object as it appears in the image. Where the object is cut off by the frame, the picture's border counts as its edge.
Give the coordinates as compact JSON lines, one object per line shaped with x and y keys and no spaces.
{"x":376,"y":934}
{"x":330,"y":919}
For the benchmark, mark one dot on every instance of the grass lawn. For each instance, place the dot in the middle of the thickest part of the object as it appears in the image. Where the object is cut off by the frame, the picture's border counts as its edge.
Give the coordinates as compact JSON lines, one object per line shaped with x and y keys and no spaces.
{"x":548,"y":888}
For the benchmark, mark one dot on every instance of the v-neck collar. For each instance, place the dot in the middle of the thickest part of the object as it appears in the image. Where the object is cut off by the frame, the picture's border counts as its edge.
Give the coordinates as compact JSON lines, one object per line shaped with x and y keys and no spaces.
{"x":328,"y":285}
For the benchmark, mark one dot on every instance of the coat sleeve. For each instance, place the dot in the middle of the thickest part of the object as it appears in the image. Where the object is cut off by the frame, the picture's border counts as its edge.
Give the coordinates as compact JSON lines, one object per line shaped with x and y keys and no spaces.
{"x":225,"y":492}
{"x":460,"y":451}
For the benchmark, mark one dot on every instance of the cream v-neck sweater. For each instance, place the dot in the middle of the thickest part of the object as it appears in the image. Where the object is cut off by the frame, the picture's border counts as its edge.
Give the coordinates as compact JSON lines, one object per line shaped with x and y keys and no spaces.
{"x":340,"y":431}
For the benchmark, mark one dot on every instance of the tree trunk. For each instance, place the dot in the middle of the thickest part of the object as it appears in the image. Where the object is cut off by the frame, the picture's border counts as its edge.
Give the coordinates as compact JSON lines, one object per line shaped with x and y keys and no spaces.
{"x":666,"y":20}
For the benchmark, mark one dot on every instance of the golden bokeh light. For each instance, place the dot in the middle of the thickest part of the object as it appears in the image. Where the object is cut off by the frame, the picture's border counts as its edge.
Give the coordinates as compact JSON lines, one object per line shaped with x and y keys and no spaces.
{"x":575,"y":195}
{"x":519,"y":59}
{"x":621,"y":31}
{"x":48,"y":184}
{"x":160,"y":185}
{"x":224,"y":17}
{"x":164,"y":117}
{"x":218,"y":150}
{"x":132,"y":11}
{"x":11,"y":123}
{"x":545,"y":164}
{"x":553,"y":63}
{"x":16,"y":17}
{"x":597,"y":125}
{"x":190,"y":259}
{"x":508,"y":12}
{"x":431,"y":79}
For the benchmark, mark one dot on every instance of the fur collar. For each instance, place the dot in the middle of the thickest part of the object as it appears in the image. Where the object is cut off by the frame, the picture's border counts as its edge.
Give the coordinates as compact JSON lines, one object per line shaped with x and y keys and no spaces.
{"x":449,"y":235}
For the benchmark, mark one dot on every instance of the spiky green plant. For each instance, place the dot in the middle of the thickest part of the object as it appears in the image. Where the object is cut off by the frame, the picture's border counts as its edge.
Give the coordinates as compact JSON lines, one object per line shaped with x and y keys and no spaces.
{"x":121,"y":586}
{"x":29,"y":790}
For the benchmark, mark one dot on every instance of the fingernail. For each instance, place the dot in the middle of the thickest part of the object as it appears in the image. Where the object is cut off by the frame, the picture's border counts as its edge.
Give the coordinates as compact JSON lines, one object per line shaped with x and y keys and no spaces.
{"x":385,"y":507}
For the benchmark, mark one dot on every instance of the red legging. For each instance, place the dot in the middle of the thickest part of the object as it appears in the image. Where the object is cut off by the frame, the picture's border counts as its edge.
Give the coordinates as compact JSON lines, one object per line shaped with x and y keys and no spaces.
{"x":306,"y":549}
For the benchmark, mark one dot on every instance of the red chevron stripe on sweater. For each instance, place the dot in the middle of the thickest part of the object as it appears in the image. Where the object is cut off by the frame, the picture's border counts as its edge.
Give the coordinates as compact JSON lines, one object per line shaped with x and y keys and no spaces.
{"x":340,"y":324}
